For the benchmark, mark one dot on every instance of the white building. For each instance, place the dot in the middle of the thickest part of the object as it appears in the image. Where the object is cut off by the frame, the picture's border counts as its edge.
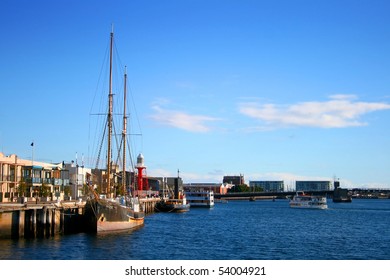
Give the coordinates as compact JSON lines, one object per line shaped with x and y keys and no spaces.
{"x":77,"y":178}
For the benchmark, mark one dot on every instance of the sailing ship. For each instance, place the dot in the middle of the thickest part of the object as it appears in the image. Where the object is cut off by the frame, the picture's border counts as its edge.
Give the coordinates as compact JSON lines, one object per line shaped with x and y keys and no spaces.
{"x":105,"y":211}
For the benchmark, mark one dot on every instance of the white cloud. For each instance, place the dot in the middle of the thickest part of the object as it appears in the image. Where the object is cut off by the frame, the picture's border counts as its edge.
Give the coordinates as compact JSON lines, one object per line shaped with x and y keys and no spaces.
{"x":160,"y":172}
{"x":343,"y":96}
{"x":182,"y":120}
{"x":339,"y":111}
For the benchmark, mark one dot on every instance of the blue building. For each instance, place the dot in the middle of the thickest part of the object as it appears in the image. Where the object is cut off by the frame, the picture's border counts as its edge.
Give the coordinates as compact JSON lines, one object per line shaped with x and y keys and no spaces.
{"x":313,"y":186}
{"x":267,"y":186}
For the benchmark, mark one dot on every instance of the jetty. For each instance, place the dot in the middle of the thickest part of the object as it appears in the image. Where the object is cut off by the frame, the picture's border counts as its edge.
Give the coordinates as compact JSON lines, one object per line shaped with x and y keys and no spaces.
{"x":39,"y":219}
{"x":35,"y":219}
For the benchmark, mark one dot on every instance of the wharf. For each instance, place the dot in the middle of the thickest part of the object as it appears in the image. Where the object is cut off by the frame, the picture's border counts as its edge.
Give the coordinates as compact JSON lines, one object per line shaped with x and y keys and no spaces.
{"x":148,"y":204}
{"x":34,"y":219}
{"x":39,"y":219}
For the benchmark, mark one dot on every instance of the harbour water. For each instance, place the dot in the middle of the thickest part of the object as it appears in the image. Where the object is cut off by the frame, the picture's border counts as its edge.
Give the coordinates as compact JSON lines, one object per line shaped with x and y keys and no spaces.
{"x":238,"y":230}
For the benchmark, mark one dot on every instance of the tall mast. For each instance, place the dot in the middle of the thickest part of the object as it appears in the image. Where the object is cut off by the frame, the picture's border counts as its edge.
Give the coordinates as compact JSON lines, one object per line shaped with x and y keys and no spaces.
{"x":124,"y":133}
{"x":109,"y":120}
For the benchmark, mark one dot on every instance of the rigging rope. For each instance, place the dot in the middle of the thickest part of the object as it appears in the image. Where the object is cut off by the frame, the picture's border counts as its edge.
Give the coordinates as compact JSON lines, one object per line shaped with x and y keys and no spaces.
{"x":101,"y":146}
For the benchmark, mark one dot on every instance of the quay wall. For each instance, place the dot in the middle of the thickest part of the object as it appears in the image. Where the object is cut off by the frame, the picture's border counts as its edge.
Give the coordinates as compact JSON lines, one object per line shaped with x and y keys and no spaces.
{"x":39,"y":220}
{"x":148,"y":204}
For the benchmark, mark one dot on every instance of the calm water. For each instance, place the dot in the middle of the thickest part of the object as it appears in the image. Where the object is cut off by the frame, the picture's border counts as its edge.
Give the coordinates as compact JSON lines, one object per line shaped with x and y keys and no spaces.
{"x":235,"y":230}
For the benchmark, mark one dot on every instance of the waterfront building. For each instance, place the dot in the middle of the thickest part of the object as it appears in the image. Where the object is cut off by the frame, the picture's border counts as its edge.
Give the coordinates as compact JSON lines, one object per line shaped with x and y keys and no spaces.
{"x":78,"y":176}
{"x":313,"y":186}
{"x":234,"y":180}
{"x":267,"y":186}
{"x":28,"y":179}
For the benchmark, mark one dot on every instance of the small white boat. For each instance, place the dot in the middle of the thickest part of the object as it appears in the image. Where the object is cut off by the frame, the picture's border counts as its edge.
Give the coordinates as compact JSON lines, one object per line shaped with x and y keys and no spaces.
{"x":302,"y":200}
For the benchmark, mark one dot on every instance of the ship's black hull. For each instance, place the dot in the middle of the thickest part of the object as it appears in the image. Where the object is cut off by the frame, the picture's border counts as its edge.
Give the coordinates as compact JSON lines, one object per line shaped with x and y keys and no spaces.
{"x":341,"y":195}
{"x":105,"y":216}
{"x":167,"y":206}
{"x":342,"y":199}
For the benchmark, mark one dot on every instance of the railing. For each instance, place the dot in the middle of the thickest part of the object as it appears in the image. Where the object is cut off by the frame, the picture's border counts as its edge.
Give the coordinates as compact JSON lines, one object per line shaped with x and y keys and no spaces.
{"x":35,"y":180}
{"x":46,"y":181}
{"x":7,"y":178}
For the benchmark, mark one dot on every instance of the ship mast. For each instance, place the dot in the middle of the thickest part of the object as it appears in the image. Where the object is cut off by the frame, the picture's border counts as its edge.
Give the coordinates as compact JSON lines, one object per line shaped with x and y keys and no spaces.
{"x":109,"y":120}
{"x":124,"y":133}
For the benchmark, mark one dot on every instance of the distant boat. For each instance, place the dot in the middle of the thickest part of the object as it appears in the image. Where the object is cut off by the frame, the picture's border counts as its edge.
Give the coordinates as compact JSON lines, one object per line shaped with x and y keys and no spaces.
{"x":172,"y":205}
{"x":341,"y":195}
{"x":200,"y":198}
{"x":177,"y":203}
{"x":342,"y":199}
{"x":104,"y":212}
{"x":302,"y":200}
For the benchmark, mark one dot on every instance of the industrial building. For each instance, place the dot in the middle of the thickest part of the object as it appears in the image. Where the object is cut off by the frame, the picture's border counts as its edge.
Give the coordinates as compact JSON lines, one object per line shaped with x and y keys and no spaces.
{"x":313,"y":186}
{"x":234,"y":180}
{"x":267,"y":186}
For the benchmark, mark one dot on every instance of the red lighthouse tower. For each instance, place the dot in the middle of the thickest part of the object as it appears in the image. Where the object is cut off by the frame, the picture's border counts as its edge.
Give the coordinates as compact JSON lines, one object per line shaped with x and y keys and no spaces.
{"x":140,"y":167}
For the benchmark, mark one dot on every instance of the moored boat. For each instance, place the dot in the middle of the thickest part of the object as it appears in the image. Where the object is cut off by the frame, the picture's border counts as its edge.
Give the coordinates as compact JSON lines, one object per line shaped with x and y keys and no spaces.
{"x":200,"y":198}
{"x":106,"y":215}
{"x":172,"y":205}
{"x":104,"y":211}
{"x":302,"y":200}
{"x":177,"y":203}
{"x":340,"y":194}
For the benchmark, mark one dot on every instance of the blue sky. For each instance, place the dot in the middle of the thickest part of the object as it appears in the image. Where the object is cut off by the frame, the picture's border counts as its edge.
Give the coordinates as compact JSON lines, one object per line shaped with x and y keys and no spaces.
{"x":274,"y":90}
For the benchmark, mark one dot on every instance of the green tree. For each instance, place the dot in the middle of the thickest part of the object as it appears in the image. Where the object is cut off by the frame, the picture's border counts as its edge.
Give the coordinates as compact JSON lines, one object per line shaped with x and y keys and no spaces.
{"x":44,"y":190}
{"x":22,"y":188}
{"x":67,"y":190}
{"x":239,"y":188}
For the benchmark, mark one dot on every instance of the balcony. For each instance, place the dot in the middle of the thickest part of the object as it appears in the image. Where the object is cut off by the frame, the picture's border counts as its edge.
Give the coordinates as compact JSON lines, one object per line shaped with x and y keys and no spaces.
{"x":59,"y":182}
{"x":33,"y":180}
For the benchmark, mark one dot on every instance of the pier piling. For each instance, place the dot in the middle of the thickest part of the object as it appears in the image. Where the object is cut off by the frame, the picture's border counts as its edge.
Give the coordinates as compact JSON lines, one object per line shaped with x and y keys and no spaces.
{"x":43,"y":220}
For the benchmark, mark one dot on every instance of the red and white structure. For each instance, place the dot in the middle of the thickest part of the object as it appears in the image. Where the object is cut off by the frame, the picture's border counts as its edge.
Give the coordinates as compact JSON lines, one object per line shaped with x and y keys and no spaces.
{"x":142,"y":181}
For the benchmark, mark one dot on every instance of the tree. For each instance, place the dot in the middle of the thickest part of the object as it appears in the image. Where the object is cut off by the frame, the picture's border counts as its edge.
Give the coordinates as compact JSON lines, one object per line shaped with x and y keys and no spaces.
{"x":67,"y":190}
{"x":22,"y":188}
{"x":239,"y":188}
{"x":44,"y":190}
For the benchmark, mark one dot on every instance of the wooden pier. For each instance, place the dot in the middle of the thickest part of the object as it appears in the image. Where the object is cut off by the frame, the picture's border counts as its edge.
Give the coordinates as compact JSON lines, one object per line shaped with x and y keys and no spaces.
{"x":45,"y":219}
{"x":35,"y":220}
{"x":148,"y":204}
